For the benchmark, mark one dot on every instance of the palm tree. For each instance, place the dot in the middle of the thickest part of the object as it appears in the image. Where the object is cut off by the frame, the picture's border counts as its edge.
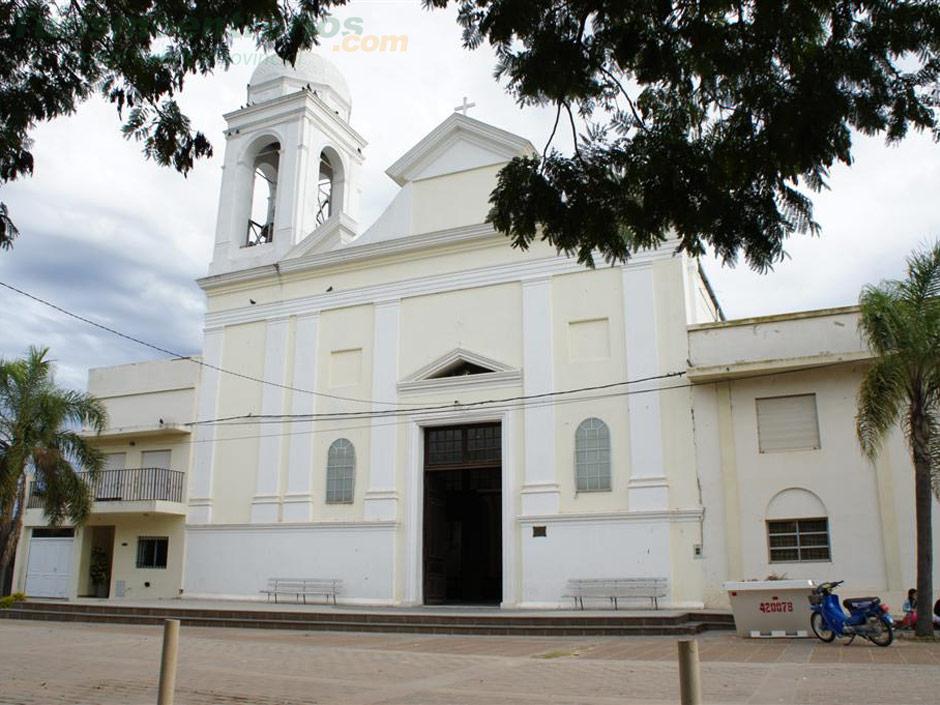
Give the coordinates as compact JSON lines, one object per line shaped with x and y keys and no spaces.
{"x":39,"y":437}
{"x":900,"y":320}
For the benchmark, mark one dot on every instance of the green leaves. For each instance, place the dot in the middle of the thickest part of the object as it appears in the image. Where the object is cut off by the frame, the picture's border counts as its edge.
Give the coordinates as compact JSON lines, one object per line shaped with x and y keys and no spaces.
{"x":900,"y":321}
{"x":55,"y":55}
{"x":37,"y":419}
{"x":712,"y":121}
{"x":8,"y":231}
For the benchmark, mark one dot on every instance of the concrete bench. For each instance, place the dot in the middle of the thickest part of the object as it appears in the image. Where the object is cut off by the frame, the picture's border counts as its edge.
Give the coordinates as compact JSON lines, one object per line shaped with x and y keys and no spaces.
{"x":614,"y":589}
{"x":302,"y":587}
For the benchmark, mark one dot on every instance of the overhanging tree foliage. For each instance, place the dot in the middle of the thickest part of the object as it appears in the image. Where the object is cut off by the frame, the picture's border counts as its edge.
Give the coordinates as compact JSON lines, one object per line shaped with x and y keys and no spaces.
{"x":711,"y":119}
{"x":900,"y":321}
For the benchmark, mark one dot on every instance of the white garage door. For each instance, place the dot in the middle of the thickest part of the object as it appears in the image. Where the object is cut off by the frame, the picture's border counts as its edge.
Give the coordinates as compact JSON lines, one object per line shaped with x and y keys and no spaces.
{"x":50,"y":562}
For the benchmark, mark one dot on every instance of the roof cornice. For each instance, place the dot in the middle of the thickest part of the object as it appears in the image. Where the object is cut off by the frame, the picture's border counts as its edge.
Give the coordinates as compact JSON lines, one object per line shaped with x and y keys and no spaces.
{"x":256,"y":114}
{"x":441,"y":136}
{"x":351,"y":254}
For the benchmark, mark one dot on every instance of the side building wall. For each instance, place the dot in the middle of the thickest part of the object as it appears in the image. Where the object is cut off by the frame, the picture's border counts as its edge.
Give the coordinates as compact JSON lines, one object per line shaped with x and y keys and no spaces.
{"x":869,"y":507}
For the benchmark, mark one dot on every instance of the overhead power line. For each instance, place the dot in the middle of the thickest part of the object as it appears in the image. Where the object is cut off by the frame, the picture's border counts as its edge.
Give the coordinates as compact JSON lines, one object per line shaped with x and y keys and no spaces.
{"x":454,"y":406}
{"x":190,"y":358}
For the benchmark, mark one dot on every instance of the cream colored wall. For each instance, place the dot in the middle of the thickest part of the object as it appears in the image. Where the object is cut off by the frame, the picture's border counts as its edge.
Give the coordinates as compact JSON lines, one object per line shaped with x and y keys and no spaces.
{"x":487,"y":321}
{"x":590,"y":300}
{"x":164,"y":582}
{"x":341,"y":331}
{"x":870,"y":506}
{"x":382,"y":269}
{"x":173,"y":407}
{"x":453,"y":200}
{"x":677,"y":429}
{"x":236,"y":446}
{"x":180,"y":448}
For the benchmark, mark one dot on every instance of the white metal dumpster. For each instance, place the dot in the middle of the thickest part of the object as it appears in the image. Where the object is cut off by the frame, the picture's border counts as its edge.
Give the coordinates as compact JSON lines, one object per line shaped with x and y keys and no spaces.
{"x":771,"y":607}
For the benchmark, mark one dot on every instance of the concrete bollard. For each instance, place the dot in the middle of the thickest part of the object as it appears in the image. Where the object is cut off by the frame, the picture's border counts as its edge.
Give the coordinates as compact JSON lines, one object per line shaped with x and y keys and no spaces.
{"x":171,"y":640}
{"x":690,"y":677}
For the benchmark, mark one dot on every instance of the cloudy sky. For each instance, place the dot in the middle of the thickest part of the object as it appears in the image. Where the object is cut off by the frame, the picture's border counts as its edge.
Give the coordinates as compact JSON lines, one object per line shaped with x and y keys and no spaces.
{"x":120,"y":240}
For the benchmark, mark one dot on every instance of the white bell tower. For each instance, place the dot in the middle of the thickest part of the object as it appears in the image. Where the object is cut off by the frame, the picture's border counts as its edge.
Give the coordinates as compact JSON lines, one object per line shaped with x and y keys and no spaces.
{"x":292,"y":164}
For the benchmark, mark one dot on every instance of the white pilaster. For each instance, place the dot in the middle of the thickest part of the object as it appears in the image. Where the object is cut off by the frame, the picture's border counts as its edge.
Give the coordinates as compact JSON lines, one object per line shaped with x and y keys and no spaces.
{"x":648,"y":489}
{"x":298,"y":503}
{"x":266,"y":503}
{"x":200,"y":484}
{"x":540,"y":487}
{"x":381,"y":500}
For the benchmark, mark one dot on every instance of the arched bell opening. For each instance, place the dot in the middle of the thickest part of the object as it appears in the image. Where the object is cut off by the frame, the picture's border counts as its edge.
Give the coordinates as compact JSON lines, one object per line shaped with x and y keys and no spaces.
{"x":265,"y":165}
{"x":330,"y":185}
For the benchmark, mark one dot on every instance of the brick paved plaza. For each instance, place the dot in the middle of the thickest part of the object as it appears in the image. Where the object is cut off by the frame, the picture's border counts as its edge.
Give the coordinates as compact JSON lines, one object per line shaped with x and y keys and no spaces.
{"x":117,"y":665}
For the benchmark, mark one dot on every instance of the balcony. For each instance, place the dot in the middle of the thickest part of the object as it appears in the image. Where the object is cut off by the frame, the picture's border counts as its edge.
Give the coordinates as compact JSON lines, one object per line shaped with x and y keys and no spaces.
{"x":131,"y":490}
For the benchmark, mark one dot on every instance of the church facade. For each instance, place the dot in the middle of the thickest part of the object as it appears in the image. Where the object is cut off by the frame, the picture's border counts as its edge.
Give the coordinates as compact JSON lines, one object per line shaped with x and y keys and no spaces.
{"x":431,"y":416}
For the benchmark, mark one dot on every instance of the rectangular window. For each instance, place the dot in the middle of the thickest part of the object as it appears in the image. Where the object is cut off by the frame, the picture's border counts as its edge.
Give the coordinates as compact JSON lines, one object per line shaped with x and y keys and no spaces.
{"x":53,"y":533}
{"x":155,"y":459}
{"x":787,"y":423}
{"x":798,"y":540}
{"x":151,"y":551}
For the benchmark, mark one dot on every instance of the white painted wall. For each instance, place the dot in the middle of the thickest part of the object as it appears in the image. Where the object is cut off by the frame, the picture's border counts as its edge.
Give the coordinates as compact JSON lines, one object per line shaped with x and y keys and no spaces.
{"x":237,"y":561}
{"x":584,"y":546}
{"x":805,"y":334}
{"x":870,"y":506}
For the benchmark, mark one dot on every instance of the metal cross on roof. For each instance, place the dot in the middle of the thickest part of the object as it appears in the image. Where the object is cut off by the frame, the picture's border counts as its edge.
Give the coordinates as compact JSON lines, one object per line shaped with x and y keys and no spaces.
{"x":463,"y":108}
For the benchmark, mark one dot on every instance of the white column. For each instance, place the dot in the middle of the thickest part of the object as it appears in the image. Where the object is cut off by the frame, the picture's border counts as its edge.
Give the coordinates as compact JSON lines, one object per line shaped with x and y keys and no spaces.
{"x":647,"y":488}
{"x":381,"y":500}
{"x":298,"y":502}
{"x":200,"y":484}
{"x":540,"y":487}
{"x":266,"y":503}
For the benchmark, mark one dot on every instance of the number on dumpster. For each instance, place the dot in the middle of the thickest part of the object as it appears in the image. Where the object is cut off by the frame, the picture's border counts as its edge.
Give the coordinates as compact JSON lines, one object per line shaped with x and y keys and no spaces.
{"x":778,"y":606}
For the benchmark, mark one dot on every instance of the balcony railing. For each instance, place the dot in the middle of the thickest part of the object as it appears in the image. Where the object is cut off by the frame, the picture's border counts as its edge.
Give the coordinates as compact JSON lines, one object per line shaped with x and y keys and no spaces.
{"x":130,"y":485}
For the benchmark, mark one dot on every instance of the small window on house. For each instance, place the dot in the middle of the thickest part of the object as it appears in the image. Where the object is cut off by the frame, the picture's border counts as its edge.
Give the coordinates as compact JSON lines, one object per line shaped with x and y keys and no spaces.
{"x":798,"y":540}
{"x":592,"y":456}
{"x":340,"y":472}
{"x":53,"y":533}
{"x":787,"y":423}
{"x":159,"y":459}
{"x":151,"y":551}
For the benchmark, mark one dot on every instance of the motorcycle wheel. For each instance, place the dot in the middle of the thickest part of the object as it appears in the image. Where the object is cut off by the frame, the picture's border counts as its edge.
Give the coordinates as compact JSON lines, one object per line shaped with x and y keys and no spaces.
{"x":820,"y":629}
{"x":884,"y":634}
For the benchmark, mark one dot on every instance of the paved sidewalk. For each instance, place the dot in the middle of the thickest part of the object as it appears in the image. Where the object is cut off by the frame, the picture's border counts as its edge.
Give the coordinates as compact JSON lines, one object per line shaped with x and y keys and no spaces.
{"x":57,"y":663}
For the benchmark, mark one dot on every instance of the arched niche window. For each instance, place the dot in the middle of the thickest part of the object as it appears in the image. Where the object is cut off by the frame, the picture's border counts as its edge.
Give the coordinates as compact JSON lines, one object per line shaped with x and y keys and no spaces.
{"x":340,"y":472}
{"x":592,"y":456}
{"x":797,"y":527}
{"x":329,"y":185}
{"x":263,"y":194}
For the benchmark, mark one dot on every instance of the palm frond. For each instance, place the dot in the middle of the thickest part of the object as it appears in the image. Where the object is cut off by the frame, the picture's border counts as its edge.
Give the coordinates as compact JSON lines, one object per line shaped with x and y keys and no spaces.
{"x":881,"y":398}
{"x":38,"y":434}
{"x":923,"y":275}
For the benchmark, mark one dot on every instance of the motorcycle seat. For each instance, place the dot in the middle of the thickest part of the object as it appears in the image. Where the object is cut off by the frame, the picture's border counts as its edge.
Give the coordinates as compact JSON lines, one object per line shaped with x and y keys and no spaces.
{"x":858,"y":603}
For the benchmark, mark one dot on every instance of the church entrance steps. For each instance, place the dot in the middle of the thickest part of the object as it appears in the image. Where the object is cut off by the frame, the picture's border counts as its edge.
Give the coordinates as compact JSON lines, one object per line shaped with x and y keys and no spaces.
{"x":489,"y":622}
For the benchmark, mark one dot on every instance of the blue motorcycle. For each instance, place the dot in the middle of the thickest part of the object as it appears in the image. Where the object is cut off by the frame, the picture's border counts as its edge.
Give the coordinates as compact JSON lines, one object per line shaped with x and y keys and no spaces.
{"x":867,"y":617}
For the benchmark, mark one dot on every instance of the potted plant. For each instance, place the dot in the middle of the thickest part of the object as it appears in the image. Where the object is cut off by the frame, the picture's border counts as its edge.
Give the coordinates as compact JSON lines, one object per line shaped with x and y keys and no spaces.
{"x":100,"y":571}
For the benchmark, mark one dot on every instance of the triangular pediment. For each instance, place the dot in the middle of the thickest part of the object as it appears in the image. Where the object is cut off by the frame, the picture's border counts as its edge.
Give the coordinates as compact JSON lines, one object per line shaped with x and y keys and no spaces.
{"x":336,"y":231}
{"x":460,"y":143}
{"x":460,"y":368}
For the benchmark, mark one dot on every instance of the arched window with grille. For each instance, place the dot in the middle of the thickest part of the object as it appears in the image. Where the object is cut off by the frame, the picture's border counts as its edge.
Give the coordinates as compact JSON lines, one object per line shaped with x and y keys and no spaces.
{"x":592,"y":456}
{"x":340,"y":472}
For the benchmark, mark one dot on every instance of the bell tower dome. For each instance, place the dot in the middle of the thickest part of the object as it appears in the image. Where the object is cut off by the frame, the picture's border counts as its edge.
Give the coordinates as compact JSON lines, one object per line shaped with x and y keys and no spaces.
{"x":292,"y":163}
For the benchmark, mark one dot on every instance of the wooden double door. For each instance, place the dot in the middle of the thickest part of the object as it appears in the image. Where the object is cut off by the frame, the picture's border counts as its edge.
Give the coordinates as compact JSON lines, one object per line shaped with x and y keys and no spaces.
{"x":463,"y":514}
